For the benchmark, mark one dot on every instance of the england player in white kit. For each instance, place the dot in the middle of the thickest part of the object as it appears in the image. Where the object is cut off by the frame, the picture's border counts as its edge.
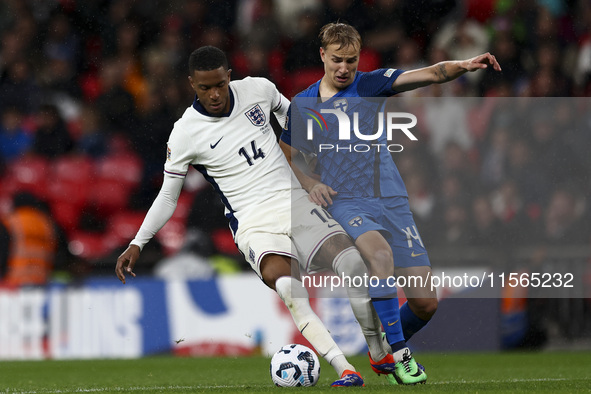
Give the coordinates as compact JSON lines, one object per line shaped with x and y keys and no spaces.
{"x":238,"y":154}
{"x":227,"y":136}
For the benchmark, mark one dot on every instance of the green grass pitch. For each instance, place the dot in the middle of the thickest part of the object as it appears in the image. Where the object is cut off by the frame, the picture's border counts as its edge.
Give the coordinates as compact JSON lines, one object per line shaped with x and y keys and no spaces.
{"x":466,"y":372}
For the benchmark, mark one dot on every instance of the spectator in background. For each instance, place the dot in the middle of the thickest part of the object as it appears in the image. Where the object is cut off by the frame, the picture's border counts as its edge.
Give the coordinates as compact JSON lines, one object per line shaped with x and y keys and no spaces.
{"x":163,"y":58}
{"x":353,"y":12}
{"x":446,"y":122}
{"x":33,"y":242}
{"x":52,"y":138}
{"x":93,"y":139}
{"x":127,"y":52}
{"x":197,"y":17}
{"x":549,"y":79}
{"x":521,"y":167}
{"x":386,"y":32}
{"x":552,"y":156}
{"x":494,"y":158}
{"x":4,"y":248}
{"x":582,"y":76}
{"x":59,"y":85}
{"x":258,"y":24}
{"x":115,"y":103}
{"x":255,"y":61}
{"x":15,"y":141}
{"x":302,"y":52}
{"x":563,"y":224}
{"x":155,"y":121}
{"x":192,"y":262}
{"x":506,"y":49}
{"x":12,"y":49}
{"x":486,"y":229}
{"x":455,"y":225}
{"x":61,"y":41}
{"x":409,"y":56}
{"x":115,"y":14}
{"x":23,"y":24}
{"x":159,"y":65}
{"x":289,"y":13}
{"x":19,"y":88}
{"x":58,"y":75}
{"x":462,"y":40}
{"x":453,"y":187}
{"x":509,"y":207}
{"x":455,"y":160}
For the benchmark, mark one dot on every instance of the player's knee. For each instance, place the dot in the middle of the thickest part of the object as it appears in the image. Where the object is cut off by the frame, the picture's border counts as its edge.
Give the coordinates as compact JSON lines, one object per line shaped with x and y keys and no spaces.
{"x":424,"y":308}
{"x":350,"y":263}
{"x":270,"y":277}
{"x":381,"y":262}
{"x":274,"y":267}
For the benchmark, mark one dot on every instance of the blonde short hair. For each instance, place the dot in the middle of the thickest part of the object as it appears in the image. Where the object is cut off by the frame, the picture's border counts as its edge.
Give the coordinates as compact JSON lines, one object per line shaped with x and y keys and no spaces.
{"x":339,"y":33}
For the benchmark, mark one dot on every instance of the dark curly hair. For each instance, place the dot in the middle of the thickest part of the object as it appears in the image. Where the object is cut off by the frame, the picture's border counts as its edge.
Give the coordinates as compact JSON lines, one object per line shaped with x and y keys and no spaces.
{"x":207,"y":58}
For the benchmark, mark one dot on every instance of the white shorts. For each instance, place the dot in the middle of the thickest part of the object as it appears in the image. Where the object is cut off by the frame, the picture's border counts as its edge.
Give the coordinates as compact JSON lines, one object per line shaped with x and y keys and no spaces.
{"x":299,"y":232}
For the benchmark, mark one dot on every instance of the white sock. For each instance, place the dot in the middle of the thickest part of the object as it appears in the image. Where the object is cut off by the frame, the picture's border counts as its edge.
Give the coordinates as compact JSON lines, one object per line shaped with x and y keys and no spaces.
{"x":340,"y":364}
{"x":295,"y":296}
{"x":349,"y":263}
{"x":398,"y":355}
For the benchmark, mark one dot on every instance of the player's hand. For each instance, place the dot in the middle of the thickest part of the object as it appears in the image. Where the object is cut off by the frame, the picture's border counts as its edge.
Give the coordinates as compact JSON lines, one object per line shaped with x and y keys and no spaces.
{"x":126,"y":261}
{"x":481,"y":62}
{"x":321,"y":194}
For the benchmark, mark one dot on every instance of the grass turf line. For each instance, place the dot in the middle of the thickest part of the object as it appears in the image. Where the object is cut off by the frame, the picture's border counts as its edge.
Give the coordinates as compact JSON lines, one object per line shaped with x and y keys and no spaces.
{"x":466,"y":372}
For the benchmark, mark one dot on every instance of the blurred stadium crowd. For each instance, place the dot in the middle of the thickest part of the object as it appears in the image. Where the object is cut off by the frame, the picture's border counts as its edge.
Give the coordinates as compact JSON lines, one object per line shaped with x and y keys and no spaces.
{"x":89,"y":91}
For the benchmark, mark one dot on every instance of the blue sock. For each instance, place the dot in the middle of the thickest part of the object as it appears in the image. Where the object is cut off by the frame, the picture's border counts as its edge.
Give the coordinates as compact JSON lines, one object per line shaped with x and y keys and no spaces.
{"x":411,"y":323}
{"x":385,"y":302}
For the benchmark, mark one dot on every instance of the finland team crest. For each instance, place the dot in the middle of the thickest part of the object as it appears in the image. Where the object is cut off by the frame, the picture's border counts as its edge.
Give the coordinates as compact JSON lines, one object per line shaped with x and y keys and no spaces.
{"x":356,"y":221}
{"x":341,"y":104}
{"x":256,"y":116}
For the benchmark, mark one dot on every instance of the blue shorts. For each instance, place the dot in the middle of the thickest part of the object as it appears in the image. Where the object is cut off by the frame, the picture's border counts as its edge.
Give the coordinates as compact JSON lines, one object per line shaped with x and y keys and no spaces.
{"x":390,"y":216}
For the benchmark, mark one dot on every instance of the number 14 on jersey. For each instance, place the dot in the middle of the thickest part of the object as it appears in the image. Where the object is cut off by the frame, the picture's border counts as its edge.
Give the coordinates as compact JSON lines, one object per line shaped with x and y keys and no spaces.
{"x":257,"y":153}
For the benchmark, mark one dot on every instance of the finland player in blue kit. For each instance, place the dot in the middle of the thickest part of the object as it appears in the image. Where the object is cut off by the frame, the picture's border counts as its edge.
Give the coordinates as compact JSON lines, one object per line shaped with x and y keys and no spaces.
{"x":363,"y":189}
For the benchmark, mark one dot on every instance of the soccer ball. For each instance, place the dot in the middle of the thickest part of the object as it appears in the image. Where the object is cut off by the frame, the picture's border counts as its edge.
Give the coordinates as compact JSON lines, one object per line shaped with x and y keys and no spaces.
{"x":295,"y":365}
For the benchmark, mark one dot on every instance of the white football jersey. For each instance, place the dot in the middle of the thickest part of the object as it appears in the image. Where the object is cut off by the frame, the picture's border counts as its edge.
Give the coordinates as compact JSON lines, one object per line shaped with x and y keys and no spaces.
{"x":238,"y":154}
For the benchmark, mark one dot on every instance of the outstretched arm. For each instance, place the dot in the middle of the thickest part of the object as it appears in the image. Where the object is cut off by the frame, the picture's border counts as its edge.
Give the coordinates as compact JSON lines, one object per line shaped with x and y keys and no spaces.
{"x":443,"y":72}
{"x":160,"y":212}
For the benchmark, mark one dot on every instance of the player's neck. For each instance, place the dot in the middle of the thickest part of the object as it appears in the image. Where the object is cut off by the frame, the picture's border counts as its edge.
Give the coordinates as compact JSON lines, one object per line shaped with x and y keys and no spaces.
{"x":326,"y":90}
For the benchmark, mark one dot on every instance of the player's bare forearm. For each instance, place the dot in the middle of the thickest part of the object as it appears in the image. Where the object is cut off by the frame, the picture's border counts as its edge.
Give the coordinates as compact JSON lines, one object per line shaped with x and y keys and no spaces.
{"x":318,"y":192}
{"x":290,"y":153}
{"x":443,"y":72}
{"x":450,"y":70}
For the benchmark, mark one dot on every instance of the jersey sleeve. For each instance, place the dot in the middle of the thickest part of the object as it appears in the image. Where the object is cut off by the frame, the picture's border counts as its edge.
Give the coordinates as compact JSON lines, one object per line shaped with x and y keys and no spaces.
{"x":279,"y":103}
{"x":161,"y":210}
{"x":294,"y":131}
{"x":378,"y":83}
{"x":280,"y":107}
{"x":178,"y":154}
{"x":286,"y":133}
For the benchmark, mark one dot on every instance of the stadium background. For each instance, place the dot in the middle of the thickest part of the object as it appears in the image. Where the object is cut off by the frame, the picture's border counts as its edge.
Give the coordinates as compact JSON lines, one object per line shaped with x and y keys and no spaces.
{"x":89,"y":91}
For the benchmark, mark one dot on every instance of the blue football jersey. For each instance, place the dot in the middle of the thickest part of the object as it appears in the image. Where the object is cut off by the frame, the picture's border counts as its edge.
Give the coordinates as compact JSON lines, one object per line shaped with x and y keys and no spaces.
{"x":354,"y":166}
